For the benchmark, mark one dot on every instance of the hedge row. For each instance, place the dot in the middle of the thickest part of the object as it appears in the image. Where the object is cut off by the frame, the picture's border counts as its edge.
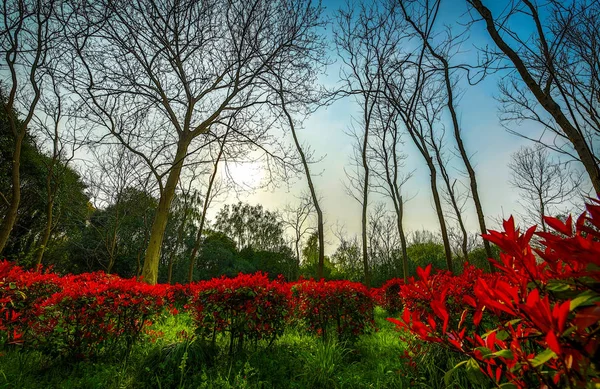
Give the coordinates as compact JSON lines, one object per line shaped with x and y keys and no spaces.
{"x":79,"y":316}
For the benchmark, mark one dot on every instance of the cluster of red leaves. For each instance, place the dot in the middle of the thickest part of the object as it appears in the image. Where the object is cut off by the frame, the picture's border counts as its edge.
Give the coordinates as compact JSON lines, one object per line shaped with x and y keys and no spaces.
{"x":81,"y":315}
{"x":249,"y":306}
{"x":86,"y":315}
{"x":535,"y":321}
{"x":20,"y":292}
{"x":344,"y":305}
{"x":75,"y":315}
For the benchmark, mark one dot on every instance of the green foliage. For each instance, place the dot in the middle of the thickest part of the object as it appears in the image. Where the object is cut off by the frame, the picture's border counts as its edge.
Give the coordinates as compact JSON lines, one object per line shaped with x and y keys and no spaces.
{"x":70,"y":204}
{"x":348,"y":260}
{"x":422,"y":254}
{"x":120,"y":230}
{"x":251,"y":225}
{"x":175,"y":359}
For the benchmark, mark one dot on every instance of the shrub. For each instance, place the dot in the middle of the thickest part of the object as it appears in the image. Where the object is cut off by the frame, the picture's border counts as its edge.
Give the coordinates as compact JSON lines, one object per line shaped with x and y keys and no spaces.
{"x":249,"y":306}
{"x":345,"y":306}
{"x":20,"y":292}
{"x":535,"y":322}
{"x":86,"y":315}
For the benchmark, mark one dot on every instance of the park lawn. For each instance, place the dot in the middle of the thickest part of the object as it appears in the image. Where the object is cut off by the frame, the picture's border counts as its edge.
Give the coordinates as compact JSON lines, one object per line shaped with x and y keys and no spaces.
{"x":165,"y":359}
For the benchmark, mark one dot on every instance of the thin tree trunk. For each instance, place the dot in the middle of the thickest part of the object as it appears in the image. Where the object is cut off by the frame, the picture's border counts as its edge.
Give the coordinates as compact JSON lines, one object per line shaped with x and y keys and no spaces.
{"x":178,"y":241}
{"x":400,"y":215}
{"x":152,"y":257}
{"x":50,"y":192}
{"x":47,"y":230}
{"x":453,"y":202}
{"x":422,"y":146}
{"x":545,"y":99}
{"x":542,"y":213}
{"x":205,"y":204}
{"x":440,"y":213}
{"x":11,"y":215}
{"x":113,"y":242}
{"x":313,"y":193}
{"x":397,"y":200}
{"x":365,"y":199}
{"x":50,"y":197}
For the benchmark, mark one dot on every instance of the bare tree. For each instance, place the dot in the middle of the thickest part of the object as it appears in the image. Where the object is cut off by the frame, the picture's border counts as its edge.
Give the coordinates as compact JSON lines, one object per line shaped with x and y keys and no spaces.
{"x":417,"y":98}
{"x":554,"y":71}
{"x":364,"y":40}
{"x":422,"y":17}
{"x":64,"y":144}
{"x":212,"y":190}
{"x":384,"y":239}
{"x":545,"y":184}
{"x":159,"y":74}
{"x":387,"y":165}
{"x":450,"y":191}
{"x":296,"y":218}
{"x":296,"y":103}
{"x":112,"y":170}
{"x":27,"y":36}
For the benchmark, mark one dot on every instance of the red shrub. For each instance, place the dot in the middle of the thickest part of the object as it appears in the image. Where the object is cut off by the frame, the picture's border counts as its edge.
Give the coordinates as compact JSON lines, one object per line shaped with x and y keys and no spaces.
{"x":249,"y":306}
{"x":343,"y":305}
{"x":76,"y":321}
{"x":534,"y":322}
{"x":20,"y":292}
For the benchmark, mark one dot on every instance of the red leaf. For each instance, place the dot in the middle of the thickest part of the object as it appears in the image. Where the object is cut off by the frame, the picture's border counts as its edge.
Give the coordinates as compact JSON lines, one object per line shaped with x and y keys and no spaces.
{"x":557,"y":225}
{"x":552,"y":342}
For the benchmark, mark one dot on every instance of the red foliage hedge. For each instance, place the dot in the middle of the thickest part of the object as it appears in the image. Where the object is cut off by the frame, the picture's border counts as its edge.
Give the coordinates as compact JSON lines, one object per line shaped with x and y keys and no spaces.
{"x":249,"y":306}
{"x":75,"y":315}
{"x":82,"y":315}
{"x":534,"y":322}
{"x":344,"y":306}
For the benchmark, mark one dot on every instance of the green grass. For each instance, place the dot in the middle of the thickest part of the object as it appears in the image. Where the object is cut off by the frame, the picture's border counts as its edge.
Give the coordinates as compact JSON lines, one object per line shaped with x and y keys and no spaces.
{"x":295,"y":360}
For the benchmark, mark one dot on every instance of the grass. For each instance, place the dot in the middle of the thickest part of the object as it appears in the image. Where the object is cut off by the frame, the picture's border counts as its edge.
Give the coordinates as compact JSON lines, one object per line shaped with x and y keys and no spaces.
{"x":295,"y":360}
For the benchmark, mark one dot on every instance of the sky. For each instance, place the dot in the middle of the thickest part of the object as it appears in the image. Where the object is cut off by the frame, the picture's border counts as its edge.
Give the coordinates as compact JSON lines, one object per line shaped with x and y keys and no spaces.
{"x":485,"y":139}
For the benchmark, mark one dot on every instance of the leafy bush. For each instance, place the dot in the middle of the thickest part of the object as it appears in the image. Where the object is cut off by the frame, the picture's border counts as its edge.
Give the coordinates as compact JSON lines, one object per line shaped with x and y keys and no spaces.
{"x":249,"y":306}
{"x":86,"y":315}
{"x":74,"y":315}
{"x":344,"y":306}
{"x":535,"y":322}
{"x":20,"y":292}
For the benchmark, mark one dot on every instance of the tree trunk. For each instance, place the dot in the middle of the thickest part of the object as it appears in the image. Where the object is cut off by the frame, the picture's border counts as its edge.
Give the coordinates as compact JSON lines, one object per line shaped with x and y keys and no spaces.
{"x":545,"y":99}
{"x":453,"y":202}
{"x":177,"y":242}
{"x":399,"y":207}
{"x":205,"y":204}
{"x":10,"y":218}
{"x":313,"y":194}
{"x":46,"y":236}
{"x":440,"y":214}
{"x":464,"y":156}
{"x":152,"y":257}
